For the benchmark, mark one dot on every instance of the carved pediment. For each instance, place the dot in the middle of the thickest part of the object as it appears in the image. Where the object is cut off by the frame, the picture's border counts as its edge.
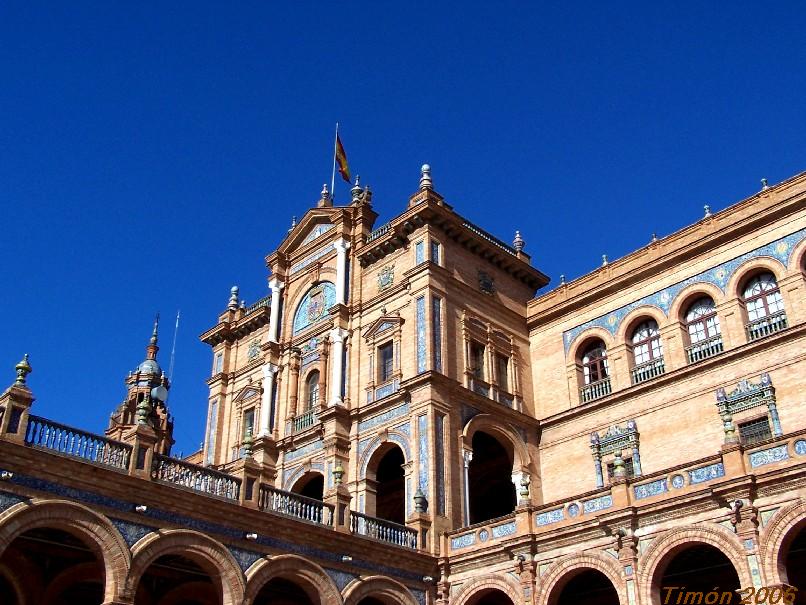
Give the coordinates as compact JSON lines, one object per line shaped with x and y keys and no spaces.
{"x":247,"y":393}
{"x":316,"y":222}
{"x":381,"y":325}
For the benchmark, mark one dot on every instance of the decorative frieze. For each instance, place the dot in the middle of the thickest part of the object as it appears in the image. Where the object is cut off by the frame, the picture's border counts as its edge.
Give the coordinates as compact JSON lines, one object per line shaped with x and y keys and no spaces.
{"x":501,"y":531}
{"x":653,"y":488}
{"x":379,"y":419}
{"x":770,"y":455}
{"x":704,"y":473}
{"x":550,"y":516}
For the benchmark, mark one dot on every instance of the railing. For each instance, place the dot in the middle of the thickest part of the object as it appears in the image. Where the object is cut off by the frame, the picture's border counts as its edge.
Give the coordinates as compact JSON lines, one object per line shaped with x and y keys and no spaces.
{"x":648,"y":371}
{"x":506,"y":399}
{"x":198,"y":478}
{"x":490,"y":238}
{"x":766,"y":326}
{"x":380,"y":529}
{"x":705,"y":349}
{"x":263,"y":302}
{"x":479,"y":387}
{"x":305,"y":420}
{"x":295,"y":505}
{"x":379,"y":232}
{"x":595,"y":390}
{"x":46,"y":434}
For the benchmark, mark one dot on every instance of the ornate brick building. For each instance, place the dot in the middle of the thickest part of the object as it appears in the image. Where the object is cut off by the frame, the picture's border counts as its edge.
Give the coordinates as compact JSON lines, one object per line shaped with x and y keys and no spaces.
{"x":401,"y":421}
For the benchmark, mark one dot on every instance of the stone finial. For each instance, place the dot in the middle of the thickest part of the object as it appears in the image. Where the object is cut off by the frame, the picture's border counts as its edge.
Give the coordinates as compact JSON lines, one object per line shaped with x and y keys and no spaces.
{"x":356,"y":190}
{"x":604,"y":260}
{"x":619,"y":468}
{"x":425,"y":178}
{"x":420,"y":501}
{"x":233,"y":298}
{"x":524,"y":491}
{"x":248,"y":442}
{"x":654,"y":237}
{"x":518,"y":242}
{"x":338,"y":473}
{"x":325,"y":193}
{"x":23,"y":369}
{"x":707,"y":209}
{"x":729,"y":428}
{"x":293,"y":223}
{"x":562,"y":279}
{"x":144,"y":409}
{"x":764,"y":185}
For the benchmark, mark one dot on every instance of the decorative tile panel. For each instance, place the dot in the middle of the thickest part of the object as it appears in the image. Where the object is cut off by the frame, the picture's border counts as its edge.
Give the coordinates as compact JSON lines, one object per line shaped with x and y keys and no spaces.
{"x":653,"y":488}
{"x":769,"y":456}
{"x":296,"y":268}
{"x":245,"y":558}
{"x":374,"y":421}
{"x":436,"y":327}
{"x":8,"y":500}
{"x":314,"y":306}
{"x":340,"y":578}
{"x":706,"y":473}
{"x":317,"y":231}
{"x":306,"y":449}
{"x":463,"y":541}
{"x":501,"y":531}
{"x":766,"y":515}
{"x":132,"y":532}
{"x":800,"y":447}
{"x":422,"y":451}
{"x":439,"y":460}
{"x":718,"y":276}
{"x":421,"y":352}
{"x":596,"y":504}
{"x":550,"y":516}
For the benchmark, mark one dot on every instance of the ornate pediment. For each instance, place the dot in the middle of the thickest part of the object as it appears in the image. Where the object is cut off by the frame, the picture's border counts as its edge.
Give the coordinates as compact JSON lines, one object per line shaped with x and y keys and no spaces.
{"x":247,"y":393}
{"x":315,"y":223}
{"x":381,"y":325}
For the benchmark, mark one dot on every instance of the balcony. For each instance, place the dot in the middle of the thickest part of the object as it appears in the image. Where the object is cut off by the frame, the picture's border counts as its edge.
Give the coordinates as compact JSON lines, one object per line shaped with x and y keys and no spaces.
{"x":763,"y":327}
{"x":380,"y":529}
{"x":705,"y":349}
{"x":479,"y":387}
{"x":295,"y":505}
{"x":648,"y":371}
{"x":304,"y":421}
{"x":197,"y":478}
{"x":46,"y":434}
{"x":595,"y":390}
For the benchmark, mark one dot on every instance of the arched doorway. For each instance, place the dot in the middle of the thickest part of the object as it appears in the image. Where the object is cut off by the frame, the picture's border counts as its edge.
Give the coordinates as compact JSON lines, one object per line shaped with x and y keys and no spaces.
{"x":492,"y":493}
{"x":590,"y":587}
{"x":386,"y":488}
{"x":795,"y":562}
{"x":279,"y":591}
{"x":177,"y":580}
{"x":310,"y":485}
{"x":370,"y":601}
{"x":57,"y":567}
{"x":489,"y":596}
{"x":699,"y":568}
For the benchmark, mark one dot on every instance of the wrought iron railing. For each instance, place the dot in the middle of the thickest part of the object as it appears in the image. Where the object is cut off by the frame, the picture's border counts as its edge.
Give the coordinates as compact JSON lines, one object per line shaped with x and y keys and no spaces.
{"x":379,"y":232}
{"x":263,"y":302}
{"x":648,"y":371}
{"x":705,"y":349}
{"x":295,"y":505}
{"x":595,"y":390}
{"x":198,"y":478}
{"x":49,"y":435}
{"x":490,"y":238}
{"x":305,"y":420}
{"x":766,"y":326}
{"x":380,"y":529}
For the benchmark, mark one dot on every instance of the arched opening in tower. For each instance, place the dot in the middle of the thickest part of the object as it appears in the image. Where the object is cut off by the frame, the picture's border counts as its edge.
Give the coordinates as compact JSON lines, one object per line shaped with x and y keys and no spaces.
{"x":311,"y":485}
{"x":696,"y":568}
{"x":390,"y":489}
{"x":796,"y":564}
{"x":280,"y":591}
{"x":490,"y":596}
{"x":591,"y":587}
{"x":492,"y":493}
{"x":177,"y":579}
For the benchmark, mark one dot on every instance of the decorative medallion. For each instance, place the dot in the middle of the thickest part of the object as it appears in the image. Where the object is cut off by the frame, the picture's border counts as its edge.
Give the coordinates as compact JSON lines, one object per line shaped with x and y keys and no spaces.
{"x":254,"y":349}
{"x":486,"y":283}
{"x":573,"y":509}
{"x":800,"y":447}
{"x":483,"y":535}
{"x":316,"y":304}
{"x":678,"y":481}
{"x":782,"y":247}
{"x":386,"y":277}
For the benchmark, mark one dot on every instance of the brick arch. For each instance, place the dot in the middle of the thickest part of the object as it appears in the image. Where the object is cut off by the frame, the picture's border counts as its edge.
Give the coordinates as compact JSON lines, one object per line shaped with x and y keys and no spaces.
{"x":495,"y":428}
{"x":751,"y":266}
{"x":576,"y":346}
{"x":797,"y":257}
{"x":21,"y":589}
{"x":386,"y":590}
{"x":671,"y":542}
{"x":551,"y":583}
{"x":635,"y":317}
{"x":689,"y":294}
{"x":212,"y":556}
{"x":306,"y":574}
{"x":311,"y":468}
{"x":95,"y":530}
{"x":72,"y":575}
{"x":390,"y":436}
{"x":505,"y":583}
{"x":775,"y":538}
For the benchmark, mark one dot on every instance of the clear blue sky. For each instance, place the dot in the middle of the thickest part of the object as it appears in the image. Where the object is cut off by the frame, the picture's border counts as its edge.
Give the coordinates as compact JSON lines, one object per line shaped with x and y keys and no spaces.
{"x":153,"y":153}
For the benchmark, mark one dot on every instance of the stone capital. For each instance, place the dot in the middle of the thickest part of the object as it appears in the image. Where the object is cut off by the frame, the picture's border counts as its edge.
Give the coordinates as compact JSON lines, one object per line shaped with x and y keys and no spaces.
{"x":275,"y":284}
{"x":341,"y":246}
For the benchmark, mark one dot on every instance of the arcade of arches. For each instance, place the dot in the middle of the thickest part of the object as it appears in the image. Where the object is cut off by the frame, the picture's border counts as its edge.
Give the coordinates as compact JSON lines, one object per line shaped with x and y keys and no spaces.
{"x":492,"y":493}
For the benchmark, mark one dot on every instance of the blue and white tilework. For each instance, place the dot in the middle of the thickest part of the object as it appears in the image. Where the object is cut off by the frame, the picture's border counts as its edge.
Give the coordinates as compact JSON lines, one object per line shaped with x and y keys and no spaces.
{"x":374,"y":421}
{"x":314,"y":306}
{"x":550,"y":516}
{"x":132,"y":532}
{"x":507,"y":529}
{"x":317,"y":231}
{"x":463,"y":541}
{"x":706,"y":473}
{"x":718,"y":276}
{"x":800,"y":447}
{"x":653,"y":488}
{"x":421,"y":352}
{"x":484,"y":535}
{"x":422,"y":451}
{"x":245,"y":558}
{"x":597,"y":504}
{"x":678,"y":481}
{"x":8,"y":500}
{"x":306,"y":449}
{"x":573,"y":509}
{"x":768,"y":456}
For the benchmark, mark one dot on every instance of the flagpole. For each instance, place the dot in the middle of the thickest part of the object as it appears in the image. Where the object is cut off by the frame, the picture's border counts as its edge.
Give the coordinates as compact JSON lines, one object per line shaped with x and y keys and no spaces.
{"x":333,"y":174}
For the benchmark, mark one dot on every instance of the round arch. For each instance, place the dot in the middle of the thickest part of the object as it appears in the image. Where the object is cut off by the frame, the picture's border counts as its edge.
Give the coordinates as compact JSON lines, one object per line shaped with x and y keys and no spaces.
{"x":635,"y":317}
{"x":97,"y":531}
{"x":212,"y":556}
{"x":670,"y":543}
{"x":510,"y":439}
{"x":313,"y":306}
{"x":565,"y":568}
{"x":300,"y":471}
{"x":387,"y":590}
{"x":391,"y":436}
{"x":504,"y":583}
{"x":689,"y":294}
{"x":797,"y":257}
{"x":775,"y":538}
{"x":749,"y":268}
{"x":15,"y":583}
{"x":578,"y":345}
{"x":313,"y":580}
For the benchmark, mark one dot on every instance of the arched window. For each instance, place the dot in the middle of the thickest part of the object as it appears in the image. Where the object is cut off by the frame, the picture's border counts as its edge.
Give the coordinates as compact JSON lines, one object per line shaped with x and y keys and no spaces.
{"x":765,"y":307}
{"x":704,"y":332}
{"x":595,"y":372}
{"x":312,"y":390}
{"x":647,"y":352}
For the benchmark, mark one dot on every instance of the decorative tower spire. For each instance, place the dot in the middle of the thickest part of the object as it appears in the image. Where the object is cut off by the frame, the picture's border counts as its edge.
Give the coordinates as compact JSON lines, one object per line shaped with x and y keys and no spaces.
{"x":326,"y":199}
{"x":707,"y":209}
{"x":23,"y":369}
{"x":152,"y":348}
{"x":233,"y":298}
{"x":425,"y":178}
{"x":518,"y":242}
{"x":356,"y":190}
{"x":764,"y":185}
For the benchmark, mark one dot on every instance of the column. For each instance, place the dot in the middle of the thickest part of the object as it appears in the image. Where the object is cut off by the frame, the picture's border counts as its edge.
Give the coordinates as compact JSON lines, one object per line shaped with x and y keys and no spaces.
{"x":269,"y":372}
{"x":337,"y":336}
{"x":274,"y":318}
{"x":341,"y":247}
{"x":467,"y":456}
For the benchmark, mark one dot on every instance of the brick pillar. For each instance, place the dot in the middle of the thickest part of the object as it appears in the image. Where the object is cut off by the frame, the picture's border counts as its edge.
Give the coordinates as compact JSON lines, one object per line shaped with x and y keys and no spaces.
{"x":731,"y":318}
{"x":619,"y":362}
{"x":15,"y":404}
{"x":248,"y":471}
{"x":674,"y":346}
{"x":264,"y":454}
{"x":793,"y":291}
{"x":420,"y":522}
{"x":143,"y":438}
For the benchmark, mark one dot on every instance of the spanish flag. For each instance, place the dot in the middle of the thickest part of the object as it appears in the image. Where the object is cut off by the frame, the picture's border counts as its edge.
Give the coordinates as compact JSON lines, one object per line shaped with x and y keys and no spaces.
{"x":341,"y":160}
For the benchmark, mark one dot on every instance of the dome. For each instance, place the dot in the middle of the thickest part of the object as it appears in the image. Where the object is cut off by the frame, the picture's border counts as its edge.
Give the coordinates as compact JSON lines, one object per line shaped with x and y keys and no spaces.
{"x":149,"y":366}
